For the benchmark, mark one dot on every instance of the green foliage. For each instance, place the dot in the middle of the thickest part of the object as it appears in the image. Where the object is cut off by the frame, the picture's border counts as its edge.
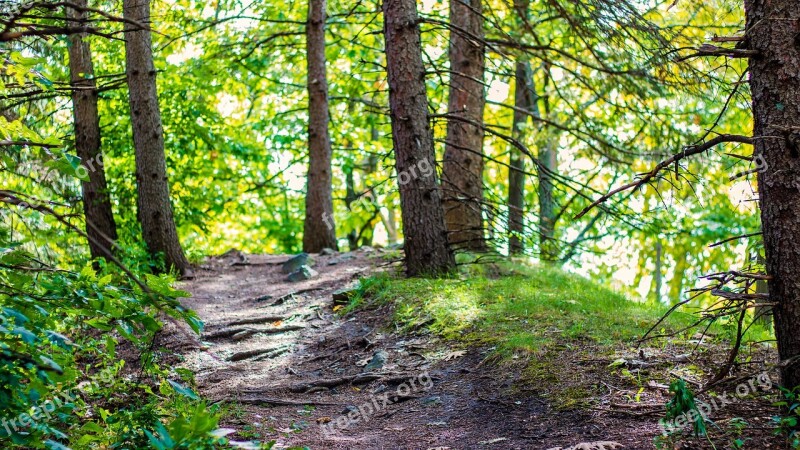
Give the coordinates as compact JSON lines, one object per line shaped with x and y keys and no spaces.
{"x":787,"y":423}
{"x":683,"y":404}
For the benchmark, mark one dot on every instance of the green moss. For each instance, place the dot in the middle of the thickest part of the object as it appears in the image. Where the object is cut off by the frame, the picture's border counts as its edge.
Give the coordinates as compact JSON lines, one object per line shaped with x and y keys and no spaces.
{"x":524,"y":309}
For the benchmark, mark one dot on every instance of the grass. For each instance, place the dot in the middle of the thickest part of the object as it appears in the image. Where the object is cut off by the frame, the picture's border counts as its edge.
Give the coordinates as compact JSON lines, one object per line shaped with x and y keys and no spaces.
{"x":548,"y":320}
{"x":518,"y":309}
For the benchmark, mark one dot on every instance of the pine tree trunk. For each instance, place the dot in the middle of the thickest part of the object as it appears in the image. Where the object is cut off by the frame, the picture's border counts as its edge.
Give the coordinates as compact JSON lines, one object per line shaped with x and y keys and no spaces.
{"x":154,"y":207}
{"x":657,"y":275}
{"x":319,"y":230}
{"x":525,"y":105}
{"x":100,"y":225}
{"x":426,"y":249}
{"x":549,"y":250}
{"x":462,"y":172}
{"x":773,"y":29}
{"x":350,"y":197}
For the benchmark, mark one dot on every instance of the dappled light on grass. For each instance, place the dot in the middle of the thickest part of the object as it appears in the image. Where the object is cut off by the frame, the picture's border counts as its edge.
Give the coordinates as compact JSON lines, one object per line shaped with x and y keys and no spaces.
{"x":531,"y":308}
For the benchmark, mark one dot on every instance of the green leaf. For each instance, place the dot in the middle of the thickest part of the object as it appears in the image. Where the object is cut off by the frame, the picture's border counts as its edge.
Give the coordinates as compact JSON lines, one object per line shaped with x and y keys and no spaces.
{"x":183,"y":390}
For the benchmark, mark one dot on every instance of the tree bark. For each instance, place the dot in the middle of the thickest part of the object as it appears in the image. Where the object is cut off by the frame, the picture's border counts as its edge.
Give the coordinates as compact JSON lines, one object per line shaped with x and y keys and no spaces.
{"x":525,"y":103}
{"x":426,"y":249}
{"x":153,"y":203}
{"x":319,"y":229}
{"x":548,"y":164}
{"x":462,"y":172}
{"x":100,"y":225}
{"x":773,"y":30}
{"x":657,"y":275}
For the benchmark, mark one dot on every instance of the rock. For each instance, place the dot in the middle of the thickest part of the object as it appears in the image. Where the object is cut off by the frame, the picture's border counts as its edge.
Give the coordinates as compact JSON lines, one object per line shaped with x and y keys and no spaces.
{"x":302,"y":274}
{"x":333,"y":261}
{"x":349,"y":409}
{"x":377,"y":361}
{"x":327,"y":251}
{"x":434,"y":400}
{"x":294,"y":264}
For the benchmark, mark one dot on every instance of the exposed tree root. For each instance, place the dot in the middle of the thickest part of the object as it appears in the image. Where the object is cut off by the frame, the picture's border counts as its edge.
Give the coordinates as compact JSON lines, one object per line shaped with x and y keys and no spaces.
{"x":256,"y":320}
{"x":226,"y":333}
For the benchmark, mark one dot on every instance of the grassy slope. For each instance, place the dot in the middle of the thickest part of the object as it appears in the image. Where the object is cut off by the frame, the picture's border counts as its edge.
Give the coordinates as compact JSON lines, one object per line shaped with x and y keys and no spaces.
{"x":518,"y":309}
{"x":546,"y":318}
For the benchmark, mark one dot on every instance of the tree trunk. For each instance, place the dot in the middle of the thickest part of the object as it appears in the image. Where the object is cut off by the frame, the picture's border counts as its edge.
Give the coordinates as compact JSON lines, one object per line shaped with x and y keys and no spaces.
{"x":657,"y":275}
{"x":679,"y":273}
{"x":462,"y":174}
{"x":154,"y":207}
{"x":525,"y":103}
{"x":350,"y":197}
{"x":319,"y":230}
{"x":100,"y":225}
{"x":390,"y":223}
{"x":426,"y":249}
{"x":548,"y":159}
{"x":772,"y":30}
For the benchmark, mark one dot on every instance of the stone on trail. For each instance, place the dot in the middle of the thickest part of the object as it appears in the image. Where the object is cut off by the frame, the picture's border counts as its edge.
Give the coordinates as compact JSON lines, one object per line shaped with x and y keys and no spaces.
{"x":302,"y":274}
{"x":327,"y":251}
{"x":294,"y":264}
{"x":377,"y":361}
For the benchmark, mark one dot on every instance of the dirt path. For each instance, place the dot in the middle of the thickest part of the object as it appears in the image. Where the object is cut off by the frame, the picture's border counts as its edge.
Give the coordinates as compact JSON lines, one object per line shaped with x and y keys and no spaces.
{"x":300,"y":374}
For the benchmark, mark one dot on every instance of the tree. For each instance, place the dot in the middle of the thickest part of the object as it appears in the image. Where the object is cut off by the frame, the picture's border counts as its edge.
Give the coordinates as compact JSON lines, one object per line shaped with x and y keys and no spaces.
{"x":426,"y":249}
{"x":319,"y":230}
{"x":153,"y":203}
{"x":524,"y":104}
{"x":548,"y":208}
{"x":100,"y":225}
{"x":462,"y":171}
{"x":772,"y":33}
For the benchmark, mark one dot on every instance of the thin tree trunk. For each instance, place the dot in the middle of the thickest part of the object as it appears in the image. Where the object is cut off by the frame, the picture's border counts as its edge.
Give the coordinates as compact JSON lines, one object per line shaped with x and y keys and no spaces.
{"x":679,"y":273}
{"x":319,"y":230}
{"x":100,"y":225}
{"x":462,"y":172}
{"x":657,"y":275}
{"x":426,"y":249}
{"x":349,"y":198}
{"x":772,"y":30}
{"x":548,"y":214}
{"x":525,"y":103}
{"x":390,"y":223}
{"x":154,"y":207}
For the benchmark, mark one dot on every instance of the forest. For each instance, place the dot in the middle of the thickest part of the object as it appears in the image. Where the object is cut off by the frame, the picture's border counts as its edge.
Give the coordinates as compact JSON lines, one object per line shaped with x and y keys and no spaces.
{"x":400,"y":224}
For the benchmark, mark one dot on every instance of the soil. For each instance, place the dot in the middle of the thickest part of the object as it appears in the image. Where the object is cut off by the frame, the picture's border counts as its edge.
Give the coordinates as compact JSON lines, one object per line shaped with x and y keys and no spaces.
{"x":290,"y":369}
